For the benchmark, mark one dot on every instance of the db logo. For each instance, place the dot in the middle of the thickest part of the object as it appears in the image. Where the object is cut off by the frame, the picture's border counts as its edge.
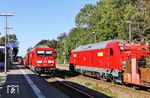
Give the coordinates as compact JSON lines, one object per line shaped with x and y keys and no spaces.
{"x":12,"y":89}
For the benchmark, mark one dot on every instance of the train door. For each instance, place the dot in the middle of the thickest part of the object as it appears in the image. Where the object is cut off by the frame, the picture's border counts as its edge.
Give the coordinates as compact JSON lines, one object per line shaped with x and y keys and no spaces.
{"x":87,"y":61}
{"x":110,"y":58}
{"x":92,"y":59}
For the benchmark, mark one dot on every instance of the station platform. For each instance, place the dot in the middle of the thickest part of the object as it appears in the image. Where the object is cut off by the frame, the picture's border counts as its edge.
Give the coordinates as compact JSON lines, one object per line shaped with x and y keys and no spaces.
{"x":20,"y":82}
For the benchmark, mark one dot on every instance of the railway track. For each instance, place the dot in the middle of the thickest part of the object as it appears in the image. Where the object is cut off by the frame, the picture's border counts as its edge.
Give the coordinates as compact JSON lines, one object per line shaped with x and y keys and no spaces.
{"x":70,"y":90}
{"x":66,"y":81}
{"x":65,"y":74}
{"x":115,"y":88}
{"x":70,"y":74}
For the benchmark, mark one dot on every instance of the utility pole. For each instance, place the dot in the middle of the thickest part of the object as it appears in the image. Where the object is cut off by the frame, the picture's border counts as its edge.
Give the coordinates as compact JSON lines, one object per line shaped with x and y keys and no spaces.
{"x":8,"y":28}
{"x":130,"y":31}
{"x":8,"y":40}
{"x":6,"y":15}
{"x":64,"y":54}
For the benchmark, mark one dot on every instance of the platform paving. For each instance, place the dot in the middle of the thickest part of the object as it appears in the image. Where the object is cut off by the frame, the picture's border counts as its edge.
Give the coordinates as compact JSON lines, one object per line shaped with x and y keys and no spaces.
{"x":23,"y":83}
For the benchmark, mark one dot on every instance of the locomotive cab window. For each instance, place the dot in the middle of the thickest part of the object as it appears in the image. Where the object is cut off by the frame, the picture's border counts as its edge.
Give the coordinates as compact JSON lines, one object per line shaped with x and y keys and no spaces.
{"x":48,"y":53}
{"x":111,"y":51}
{"x":40,"y":53}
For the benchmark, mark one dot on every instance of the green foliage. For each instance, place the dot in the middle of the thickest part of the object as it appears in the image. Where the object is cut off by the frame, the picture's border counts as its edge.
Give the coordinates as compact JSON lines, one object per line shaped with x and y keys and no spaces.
{"x":61,"y":47}
{"x":108,"y":19}
{"x":49,"y":43}
{"x":10,"y":37}
{"x":148,"y":61}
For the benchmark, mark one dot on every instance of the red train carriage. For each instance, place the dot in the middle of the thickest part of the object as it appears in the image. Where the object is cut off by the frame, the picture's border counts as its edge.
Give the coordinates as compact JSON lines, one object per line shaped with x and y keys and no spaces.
{"x":19,"y":60}
{"x":26,"y":60}
{"x":116,"y":61}
{"x":41,"y":59}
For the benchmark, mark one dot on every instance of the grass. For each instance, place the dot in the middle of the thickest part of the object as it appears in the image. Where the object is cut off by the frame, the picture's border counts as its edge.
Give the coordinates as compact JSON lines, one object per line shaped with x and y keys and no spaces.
{"x":97,"y":88}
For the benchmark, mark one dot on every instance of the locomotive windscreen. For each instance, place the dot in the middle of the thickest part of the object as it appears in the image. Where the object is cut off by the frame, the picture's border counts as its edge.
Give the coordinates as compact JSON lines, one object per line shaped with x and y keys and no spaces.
{"x":40,"y":53}
{"x":48,"y":53}
{"x":44,"y":53}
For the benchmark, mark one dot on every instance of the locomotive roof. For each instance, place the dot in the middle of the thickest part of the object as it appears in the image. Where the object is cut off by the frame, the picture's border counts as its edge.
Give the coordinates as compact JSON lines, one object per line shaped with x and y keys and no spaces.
{"x":95,"y":46}
{"x":39,"y":46}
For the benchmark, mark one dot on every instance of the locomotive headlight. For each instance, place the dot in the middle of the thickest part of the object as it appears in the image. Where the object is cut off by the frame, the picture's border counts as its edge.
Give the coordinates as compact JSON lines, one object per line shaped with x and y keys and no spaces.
{"x":124,"y":64}
{"x":39,"y":61}
{"x":121,"y":48}
{"x":50,"y":61}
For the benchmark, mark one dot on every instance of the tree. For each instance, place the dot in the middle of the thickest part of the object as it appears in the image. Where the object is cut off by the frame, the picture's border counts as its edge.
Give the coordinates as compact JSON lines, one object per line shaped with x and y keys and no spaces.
{"x":30,"y":48}
{"x":107,"y":18}
{"x":49,"y":43}
{"x":11,"y":40}
{"x":61,"y":47}
{"x":83,"y":18}
{"x":11,"y":37}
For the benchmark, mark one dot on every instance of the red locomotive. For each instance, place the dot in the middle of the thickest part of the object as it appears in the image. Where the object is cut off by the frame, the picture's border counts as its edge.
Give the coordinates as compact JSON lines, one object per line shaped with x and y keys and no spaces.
{"x":116,"y":61}
{"x":41,"y":59}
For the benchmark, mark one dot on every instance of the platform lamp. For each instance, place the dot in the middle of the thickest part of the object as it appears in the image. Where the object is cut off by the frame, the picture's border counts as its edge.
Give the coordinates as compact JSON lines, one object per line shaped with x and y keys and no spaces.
{"x":8,"y":28}
{"x":6,"y":15}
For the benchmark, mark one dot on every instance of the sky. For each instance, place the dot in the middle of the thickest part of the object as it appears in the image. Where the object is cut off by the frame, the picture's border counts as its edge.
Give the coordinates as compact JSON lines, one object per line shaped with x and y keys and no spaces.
{"x":34,"y":20}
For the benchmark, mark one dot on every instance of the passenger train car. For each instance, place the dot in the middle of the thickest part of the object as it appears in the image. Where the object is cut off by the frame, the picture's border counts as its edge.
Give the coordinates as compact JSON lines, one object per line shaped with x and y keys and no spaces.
{"x":115,"y":61}
{"x":2,"y":56}
{"x":41,"y":59}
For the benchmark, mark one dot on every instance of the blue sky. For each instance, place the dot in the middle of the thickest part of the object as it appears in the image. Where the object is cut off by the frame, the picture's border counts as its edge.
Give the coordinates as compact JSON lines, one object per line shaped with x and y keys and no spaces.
{"x":35,"y":20}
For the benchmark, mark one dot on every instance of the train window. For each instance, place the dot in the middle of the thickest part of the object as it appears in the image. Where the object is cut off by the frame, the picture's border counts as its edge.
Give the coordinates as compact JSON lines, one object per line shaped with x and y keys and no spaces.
{"x":40,"y":53}
{"x":111,"y":51}
{"x":2,"y":56}
{"x":48,"y":53}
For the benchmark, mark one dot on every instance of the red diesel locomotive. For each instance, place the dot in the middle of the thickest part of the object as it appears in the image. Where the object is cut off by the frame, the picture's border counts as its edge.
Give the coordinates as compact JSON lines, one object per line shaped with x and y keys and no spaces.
{"x":116,"y":61}
{"x":41,"y":59}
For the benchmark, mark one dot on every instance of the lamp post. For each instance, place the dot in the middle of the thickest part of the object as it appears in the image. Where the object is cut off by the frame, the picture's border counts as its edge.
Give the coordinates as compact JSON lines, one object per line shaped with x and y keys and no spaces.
{"x":6,"y":15}
{"x":64,"y":53}
{"x":8,"y":28}
{"x":8,"y":40}
{"x":129,"y":22}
